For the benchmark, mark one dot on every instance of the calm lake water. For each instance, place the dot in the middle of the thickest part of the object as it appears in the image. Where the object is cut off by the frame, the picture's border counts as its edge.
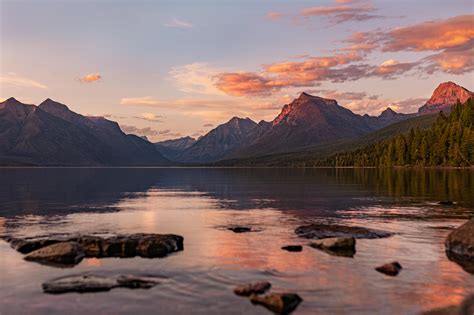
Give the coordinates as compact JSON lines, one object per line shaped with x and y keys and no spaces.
{"x":199,"y":203}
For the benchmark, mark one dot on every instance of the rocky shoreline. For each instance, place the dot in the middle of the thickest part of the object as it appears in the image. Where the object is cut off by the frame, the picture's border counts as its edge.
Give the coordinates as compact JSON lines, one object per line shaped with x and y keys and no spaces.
{"x":337,"y":240}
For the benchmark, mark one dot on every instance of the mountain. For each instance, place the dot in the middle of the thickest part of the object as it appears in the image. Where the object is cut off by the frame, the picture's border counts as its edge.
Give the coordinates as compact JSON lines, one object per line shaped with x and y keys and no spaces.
{"x":172,"y":148}
{"x":448,"y":142}
{"x":178,"y":144}
{"x":308,"y":155}
{"x":51,"y":134}
{"x":308,"y":121}
{"x":444,"y":97}
{"x":218,"y":142}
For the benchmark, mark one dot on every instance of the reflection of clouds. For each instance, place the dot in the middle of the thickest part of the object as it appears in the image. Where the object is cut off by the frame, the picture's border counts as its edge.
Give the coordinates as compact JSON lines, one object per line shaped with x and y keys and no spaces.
{"x":93,"y":262}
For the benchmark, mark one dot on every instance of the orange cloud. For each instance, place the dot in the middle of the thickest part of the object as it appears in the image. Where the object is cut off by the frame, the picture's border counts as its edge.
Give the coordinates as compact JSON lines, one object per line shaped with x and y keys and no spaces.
{"x":432,"y":35}
{"x":243,"y":83}
{"x":392,"y":68}
{"x":275,"y":15}
{"x":455,"y":60}
{"x":92,"y":77}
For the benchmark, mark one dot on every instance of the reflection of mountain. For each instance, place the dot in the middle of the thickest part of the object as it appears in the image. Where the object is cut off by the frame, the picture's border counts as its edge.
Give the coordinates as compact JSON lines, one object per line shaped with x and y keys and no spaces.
{"x":51,"y":191}
{"x":320,"y":191}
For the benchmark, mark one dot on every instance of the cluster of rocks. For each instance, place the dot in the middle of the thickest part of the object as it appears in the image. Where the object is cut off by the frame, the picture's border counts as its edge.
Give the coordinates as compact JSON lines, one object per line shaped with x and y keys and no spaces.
{"x":64,"y":251}
{"x":278,"y":303}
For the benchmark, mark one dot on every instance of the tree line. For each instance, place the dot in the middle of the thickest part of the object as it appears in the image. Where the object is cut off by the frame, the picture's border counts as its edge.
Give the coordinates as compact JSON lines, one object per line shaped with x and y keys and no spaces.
{"x":448,"y":142}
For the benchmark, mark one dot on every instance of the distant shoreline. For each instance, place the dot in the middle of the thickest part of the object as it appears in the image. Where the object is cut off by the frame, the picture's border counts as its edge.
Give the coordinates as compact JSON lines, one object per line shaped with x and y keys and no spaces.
{"x":243,"y":167}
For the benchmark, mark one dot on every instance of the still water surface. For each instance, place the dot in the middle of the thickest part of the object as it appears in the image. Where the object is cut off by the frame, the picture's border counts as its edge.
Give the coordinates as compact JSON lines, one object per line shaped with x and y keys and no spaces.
{"x":199,"y":203}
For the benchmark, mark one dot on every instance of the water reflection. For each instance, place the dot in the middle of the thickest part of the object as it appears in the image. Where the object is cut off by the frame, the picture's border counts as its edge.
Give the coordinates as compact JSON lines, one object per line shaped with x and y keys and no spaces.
{"x":66,"y":190}
{"x":197,"y":203}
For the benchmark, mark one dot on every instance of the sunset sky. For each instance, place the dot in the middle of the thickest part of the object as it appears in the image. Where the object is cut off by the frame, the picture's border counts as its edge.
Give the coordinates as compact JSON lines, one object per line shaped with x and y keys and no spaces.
{"x":167,"y":69}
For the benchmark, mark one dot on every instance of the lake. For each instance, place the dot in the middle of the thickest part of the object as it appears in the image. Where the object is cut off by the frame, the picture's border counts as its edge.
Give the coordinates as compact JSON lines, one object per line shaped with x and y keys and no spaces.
{"x":199,"y":203}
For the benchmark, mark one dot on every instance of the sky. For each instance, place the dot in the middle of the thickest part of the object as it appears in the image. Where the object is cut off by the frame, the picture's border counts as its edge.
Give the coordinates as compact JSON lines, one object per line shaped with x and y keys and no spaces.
{"x":167,"y":69}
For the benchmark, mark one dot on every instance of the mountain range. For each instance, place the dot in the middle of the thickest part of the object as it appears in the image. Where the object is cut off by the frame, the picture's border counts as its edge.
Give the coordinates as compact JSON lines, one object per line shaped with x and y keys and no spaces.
{"x":307,"y":123}
{"x":52,"y":134}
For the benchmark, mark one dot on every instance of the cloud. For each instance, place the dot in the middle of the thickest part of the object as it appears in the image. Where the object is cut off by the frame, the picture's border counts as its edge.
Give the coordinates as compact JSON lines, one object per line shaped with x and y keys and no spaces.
{"x":176,"y":23}
{"x":309,"y":72}
{"x":334,"y":94}
{"x":454,"y":60}
{"x":197,"y":77}
{"x":410,"y":105}
{"x":451,"y":38}
{"x":92,"y":77}
{"x":13,"y":80}
{"x":275,"y":15}
{"x":343,"y":12}
{"x":431,"y":35}
{"x":391,"y":69}
{"x":149,"y":117}
{"x":208,"y":126}
{"x":148,"y":132}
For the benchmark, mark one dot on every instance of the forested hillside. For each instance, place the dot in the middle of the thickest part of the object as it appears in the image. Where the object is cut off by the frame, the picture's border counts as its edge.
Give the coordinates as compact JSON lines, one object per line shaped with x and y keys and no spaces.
{"x":449,"y":142}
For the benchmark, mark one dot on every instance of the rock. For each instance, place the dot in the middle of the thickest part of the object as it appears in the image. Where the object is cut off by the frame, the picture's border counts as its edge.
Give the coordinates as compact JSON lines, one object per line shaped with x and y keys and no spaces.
{"x":143,"y":245}
{"x":460,"y":246}
{"x":278,"y":303}
{"x":134,"y":282}
{"x":293,"y":248}
{"x":335,"y":243}
{"x":253,"y":288}
{"x":96,"y":283}
{"x":465,"y":308}
{"x":467,"y":264}
{"x":336,"y":246}
{"x":64,"y":254}
{"x":446,"y":203}
{"x":239,"y":229}
{"x":390,"y":269}
{"x":26,"y":246}
{"x":461,"y":240}
{"x":318,"y":231}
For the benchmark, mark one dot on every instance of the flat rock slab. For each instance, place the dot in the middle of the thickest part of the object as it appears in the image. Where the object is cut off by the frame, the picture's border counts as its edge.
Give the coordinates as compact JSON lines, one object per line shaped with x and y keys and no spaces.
{"x":390,"y":269}
{"x":97,"y":283}
{"x":319,"y":231}
{"x":253,"y":288}
{"x":278,"y":303}
{"x":64,"y":254}
{"x":143,"y":245}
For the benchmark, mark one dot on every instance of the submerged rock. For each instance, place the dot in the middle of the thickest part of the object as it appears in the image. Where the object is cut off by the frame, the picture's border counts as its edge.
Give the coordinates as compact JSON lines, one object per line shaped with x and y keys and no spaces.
{"x":143,"y":245}
{"x":446,"y":203}
{"x":97,"y":283}
{"x":293,"y":248}
{"x":240,"y":229}
{"x":278,"y":303}
{"x":253,"y":288}
{"x":465,"y":308}
{"x":319,"y":231}
{"x":336,"y":246}
{"x":64,"y":254}
{"x":390,"y":269}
